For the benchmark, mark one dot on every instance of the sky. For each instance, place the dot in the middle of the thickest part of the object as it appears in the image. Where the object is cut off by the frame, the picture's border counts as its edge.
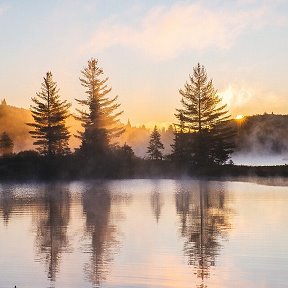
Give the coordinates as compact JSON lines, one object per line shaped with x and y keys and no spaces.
{"x":148,"y":49}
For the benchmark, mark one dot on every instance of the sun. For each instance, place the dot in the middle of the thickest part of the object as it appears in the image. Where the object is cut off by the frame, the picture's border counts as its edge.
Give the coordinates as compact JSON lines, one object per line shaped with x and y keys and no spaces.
{"x":239,"y":117}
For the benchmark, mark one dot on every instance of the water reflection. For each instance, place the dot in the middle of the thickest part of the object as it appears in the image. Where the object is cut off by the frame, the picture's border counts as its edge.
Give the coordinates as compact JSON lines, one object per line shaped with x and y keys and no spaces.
{"x":101,"y":230}
{"x":92,"y":234}
{"x":49,"y":206}
{"x":156,"y":202}
{"x":205,"y":221}
{"x":6,"y":202}
{"x":50,"y":222}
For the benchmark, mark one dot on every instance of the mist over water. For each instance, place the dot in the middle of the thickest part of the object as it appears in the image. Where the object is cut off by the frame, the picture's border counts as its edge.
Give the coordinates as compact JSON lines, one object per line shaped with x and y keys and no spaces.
{"x":263,"y":159}
{"x":144,"y":233}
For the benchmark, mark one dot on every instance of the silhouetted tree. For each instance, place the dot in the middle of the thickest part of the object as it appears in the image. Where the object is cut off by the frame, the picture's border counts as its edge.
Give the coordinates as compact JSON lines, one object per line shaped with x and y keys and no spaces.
{"x":3,"y":102}
{"x":127,"y":152}
{"x":100,"y":122}
{"x":205,"y":120}
{"x":6,"y":144}
{"x":155,"y":145}
{"x":49,"y":114}
{"x":181,"y":143}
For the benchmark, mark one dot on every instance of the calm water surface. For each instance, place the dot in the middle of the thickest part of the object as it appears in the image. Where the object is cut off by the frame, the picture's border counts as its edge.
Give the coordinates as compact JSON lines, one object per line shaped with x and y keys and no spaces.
{"x":144,"y":233}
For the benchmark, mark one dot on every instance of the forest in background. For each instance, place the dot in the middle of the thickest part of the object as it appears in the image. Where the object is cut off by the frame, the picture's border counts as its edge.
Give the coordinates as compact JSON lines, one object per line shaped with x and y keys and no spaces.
{"x":263,"y":134}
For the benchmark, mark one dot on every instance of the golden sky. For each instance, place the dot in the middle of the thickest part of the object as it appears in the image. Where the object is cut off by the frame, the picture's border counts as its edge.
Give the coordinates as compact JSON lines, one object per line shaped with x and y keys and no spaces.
{"x":148,"y":49}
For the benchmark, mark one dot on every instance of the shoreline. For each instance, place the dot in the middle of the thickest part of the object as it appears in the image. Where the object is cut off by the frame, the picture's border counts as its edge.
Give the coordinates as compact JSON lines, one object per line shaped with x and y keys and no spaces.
{"x":35,"y":169}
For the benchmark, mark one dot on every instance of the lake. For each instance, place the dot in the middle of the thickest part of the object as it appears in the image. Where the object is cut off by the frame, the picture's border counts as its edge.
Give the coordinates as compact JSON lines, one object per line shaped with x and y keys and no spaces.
{"x":144,"y":233}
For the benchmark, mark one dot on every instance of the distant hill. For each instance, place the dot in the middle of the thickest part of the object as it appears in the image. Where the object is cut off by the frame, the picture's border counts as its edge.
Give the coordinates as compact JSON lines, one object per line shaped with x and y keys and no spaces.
{"x":12,"y":121}
{"x":267,"y":133}
{"x":257,"y":134}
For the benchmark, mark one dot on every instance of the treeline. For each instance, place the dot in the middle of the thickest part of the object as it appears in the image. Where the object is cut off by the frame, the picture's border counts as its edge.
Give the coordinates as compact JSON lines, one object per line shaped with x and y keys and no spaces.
{"x":203,"y":134}
{"x":258,"y":134}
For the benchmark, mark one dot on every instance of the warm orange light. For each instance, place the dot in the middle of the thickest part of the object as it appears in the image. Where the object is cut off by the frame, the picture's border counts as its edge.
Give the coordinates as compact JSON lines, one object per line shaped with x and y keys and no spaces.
{"x":239,"y":117}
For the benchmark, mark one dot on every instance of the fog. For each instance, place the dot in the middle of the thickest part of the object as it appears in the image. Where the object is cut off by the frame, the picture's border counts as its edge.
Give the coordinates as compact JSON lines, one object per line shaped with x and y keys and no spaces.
{"x":12,"y":121}
{"x":260,"y":139}
{"x":138,"y":139}
{"x":254,"y":159}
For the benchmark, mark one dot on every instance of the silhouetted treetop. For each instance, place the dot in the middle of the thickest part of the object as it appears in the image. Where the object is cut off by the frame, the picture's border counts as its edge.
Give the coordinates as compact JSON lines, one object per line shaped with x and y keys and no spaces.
{"x":49,"y":114}
{"x":100,"y":119}
{"x":203,"y":133}
{"x":201,"y":104}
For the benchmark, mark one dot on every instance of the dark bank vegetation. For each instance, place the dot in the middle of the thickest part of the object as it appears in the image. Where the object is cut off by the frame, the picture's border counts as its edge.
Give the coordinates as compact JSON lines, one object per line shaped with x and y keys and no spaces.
{"x":30,"y":166}
{"x":204,"y":136}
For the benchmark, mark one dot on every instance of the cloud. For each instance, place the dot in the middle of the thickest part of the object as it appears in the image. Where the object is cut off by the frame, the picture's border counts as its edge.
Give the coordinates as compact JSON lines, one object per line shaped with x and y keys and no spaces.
{"x":167,"y":31}
{"x":237,"y":98}
{"x":252,"y":99}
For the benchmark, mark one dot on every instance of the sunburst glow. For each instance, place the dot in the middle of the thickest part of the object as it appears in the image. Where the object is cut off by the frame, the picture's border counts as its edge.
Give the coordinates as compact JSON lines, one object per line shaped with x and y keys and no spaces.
{"x":239,"y":117}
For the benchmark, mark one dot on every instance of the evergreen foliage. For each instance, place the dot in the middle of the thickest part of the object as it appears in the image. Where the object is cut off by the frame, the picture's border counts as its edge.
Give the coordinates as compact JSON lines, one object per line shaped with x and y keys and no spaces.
{"x":203,"y":132}
{"x":100,"y":121}
{"x":126,"y":152}
{"x":6,"y":144}
{"x":180,"y":147}
{"x":49,"y":114}
{"x":155,"y":145}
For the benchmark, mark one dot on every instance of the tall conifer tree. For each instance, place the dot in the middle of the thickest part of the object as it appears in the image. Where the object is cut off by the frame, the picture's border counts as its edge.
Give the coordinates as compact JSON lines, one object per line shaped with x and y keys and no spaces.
{"x":205,"y":120}
{"x":49,"y":114}
{"x":180,"y":147}
{"x":100,"y":120}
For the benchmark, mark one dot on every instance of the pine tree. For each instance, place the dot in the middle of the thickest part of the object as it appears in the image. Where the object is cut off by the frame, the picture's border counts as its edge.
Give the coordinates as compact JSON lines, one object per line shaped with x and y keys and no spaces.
{"x":206,"y":121}
{"x":6,"y":144}
{"x":180,"y":147}
{"x":155,"y":145}
{"x":49,"y":114}
{"x":100,"y":122}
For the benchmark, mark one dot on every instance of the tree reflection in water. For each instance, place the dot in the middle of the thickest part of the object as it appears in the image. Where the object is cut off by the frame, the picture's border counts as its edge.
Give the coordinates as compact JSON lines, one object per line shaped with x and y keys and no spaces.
{"x":6,"y":202}
{"x":101,"y":229}
{"x":51,"y":222}
{"x":205,"y":222}
{"x":156,"y":202}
